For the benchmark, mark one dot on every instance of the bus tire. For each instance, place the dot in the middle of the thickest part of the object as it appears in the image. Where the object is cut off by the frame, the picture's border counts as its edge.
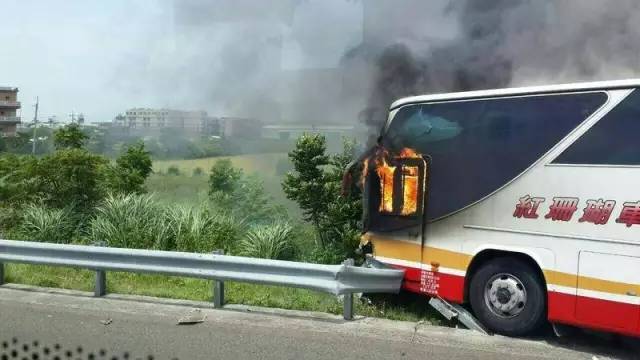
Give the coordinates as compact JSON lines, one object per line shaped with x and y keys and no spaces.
{"x":508,"y":296}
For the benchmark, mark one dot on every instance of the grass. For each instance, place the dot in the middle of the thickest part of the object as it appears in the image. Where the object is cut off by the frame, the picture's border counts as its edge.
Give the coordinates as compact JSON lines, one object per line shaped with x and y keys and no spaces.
{"x":187,"y":188}
{"x":405,"y":307}
{"x":260,"y":163}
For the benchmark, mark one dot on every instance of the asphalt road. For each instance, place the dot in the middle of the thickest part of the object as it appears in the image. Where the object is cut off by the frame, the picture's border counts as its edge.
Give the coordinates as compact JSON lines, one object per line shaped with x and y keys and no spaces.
{"x":74,"y":325}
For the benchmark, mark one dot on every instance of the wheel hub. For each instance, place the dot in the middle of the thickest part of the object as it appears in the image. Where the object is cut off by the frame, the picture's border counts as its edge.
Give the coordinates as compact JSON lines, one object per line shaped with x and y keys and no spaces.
{"x":505,"y":295}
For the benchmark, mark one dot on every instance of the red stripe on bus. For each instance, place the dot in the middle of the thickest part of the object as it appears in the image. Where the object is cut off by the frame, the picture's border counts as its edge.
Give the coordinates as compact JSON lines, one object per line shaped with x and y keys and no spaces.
{"x":450,"y":287}
{"x":597,"y":314}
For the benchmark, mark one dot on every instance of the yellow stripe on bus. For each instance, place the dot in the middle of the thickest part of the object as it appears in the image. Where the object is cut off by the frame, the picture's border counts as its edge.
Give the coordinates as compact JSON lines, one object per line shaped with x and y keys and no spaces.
{"x":408,"y":251}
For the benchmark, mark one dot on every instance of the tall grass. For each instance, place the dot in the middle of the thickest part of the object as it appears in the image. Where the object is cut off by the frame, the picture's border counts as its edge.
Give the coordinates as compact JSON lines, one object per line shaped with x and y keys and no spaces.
{"x":130,"y":221}
{"x":273,"y":241}
{"x":40,"y":223}
{"x":140,"y":222}
{"x":200,"y":230}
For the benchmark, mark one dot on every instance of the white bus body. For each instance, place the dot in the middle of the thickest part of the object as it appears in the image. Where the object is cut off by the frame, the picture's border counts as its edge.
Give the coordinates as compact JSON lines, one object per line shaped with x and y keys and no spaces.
{"x":549,"y":235}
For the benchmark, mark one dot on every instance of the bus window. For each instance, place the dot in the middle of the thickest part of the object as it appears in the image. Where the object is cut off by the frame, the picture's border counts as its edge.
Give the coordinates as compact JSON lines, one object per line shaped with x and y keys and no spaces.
{"x":478,"y":146}
{"x":612,"y":141}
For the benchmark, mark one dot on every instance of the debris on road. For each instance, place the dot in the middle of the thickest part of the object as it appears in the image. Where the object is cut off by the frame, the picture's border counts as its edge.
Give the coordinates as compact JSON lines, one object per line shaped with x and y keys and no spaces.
{"x":106,"y":322}
{"x":195,"y":316}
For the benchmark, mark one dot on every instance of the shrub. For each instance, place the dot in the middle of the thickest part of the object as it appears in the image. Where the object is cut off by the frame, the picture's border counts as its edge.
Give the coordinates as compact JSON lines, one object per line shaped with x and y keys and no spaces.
{"x":198,"y":171}
{"x":130,"y":221}
{"x":47,"y":225}
{"x":173,"y":170}
{"x":223,"y":177}
{"x":69,"y":137}
{"x":132,"y":169}
{"x":273,"y":241}
{"x":17,"y":181}
{"x":70,"y":177}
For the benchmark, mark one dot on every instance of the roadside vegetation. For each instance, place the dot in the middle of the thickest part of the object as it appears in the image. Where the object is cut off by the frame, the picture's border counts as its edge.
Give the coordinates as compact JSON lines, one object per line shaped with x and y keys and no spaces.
{"x":75,"y":196}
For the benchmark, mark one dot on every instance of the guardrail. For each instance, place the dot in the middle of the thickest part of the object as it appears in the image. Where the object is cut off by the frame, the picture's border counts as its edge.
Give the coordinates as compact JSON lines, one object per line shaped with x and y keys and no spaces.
{"x":344,"y":279}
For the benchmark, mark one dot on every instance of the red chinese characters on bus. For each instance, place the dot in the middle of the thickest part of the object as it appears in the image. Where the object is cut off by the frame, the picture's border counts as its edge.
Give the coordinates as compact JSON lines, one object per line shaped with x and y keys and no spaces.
{"x":630,"y":214}
{"x":527,"y":207}
{"x":562,"y":208}
{"x":598,"y":211}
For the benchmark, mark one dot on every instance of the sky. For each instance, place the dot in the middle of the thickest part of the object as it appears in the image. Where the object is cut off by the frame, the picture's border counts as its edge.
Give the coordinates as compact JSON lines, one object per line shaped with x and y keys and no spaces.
{"x":101,"y":57}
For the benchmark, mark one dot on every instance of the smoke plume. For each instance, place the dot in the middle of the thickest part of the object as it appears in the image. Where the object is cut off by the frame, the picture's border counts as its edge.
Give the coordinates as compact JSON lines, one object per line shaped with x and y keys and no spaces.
{"x":510,"y":43}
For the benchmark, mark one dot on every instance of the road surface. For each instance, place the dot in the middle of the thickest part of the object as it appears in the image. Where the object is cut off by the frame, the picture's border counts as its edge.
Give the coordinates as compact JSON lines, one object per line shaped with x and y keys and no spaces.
{"x":74,"y":325}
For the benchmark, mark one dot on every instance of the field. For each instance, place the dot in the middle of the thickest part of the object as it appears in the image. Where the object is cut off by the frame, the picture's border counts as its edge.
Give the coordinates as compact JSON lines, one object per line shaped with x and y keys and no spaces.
{"x":192,"y":189}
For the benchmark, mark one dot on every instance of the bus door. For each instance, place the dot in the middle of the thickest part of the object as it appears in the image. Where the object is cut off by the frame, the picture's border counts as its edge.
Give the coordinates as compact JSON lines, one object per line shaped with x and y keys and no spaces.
{"x":394,"y":203}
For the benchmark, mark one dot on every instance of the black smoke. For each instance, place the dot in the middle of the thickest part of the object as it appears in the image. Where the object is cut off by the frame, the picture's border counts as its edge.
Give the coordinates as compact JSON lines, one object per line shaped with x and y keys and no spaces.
{"x":504,"y":43}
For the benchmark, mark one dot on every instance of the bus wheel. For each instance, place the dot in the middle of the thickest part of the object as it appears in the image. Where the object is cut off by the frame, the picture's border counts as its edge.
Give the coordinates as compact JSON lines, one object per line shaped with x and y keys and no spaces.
{"x":508,"y":297}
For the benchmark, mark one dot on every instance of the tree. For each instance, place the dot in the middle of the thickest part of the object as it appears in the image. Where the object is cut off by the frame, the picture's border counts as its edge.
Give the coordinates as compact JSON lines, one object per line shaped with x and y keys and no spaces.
{"x":69,"y":177}
{"x":315,"y":184}
{"x":132,"y":169}
{"x":223,"y":177}
{"x":136,"y":158}
{"x":69,"y":137}
{"x":306,"y":184}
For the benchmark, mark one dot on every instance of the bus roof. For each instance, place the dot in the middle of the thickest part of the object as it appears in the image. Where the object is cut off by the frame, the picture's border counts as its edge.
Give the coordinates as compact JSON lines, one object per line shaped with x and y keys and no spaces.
{"x":529,"y":90}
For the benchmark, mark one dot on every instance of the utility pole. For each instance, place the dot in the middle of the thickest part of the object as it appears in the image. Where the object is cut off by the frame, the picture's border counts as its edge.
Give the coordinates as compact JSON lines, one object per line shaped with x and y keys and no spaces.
{"x":35,"y":126}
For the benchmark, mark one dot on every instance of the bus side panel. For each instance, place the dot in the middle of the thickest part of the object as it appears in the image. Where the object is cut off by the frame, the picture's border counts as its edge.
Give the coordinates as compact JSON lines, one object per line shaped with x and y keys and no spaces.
{"x":560,"y":305}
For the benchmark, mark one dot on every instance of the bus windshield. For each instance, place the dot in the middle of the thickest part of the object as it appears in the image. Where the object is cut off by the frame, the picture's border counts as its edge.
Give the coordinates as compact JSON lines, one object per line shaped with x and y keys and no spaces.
{"x":478,"y":146}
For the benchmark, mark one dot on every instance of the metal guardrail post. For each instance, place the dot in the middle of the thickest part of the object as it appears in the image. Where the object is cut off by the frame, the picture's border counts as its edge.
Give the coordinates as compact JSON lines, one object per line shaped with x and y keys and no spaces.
{"x":347,"y":310}
{"x":1,"y":273}
{"x":101,"y":283}
{"x":218,"y":287}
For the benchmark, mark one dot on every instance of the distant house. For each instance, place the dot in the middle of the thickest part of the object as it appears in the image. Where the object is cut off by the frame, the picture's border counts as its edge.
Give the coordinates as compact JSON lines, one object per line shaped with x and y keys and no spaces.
{"x":236,"y":127}
{"x":292,"y":131}
{"x":9,"y":105}
{"x":147,"y":121}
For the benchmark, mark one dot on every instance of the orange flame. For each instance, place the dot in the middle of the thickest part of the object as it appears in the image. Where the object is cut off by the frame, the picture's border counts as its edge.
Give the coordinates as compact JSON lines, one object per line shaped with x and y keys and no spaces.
{"x":409,"y":190}
{"x":407,"y":153}
{"x":386,"y":173}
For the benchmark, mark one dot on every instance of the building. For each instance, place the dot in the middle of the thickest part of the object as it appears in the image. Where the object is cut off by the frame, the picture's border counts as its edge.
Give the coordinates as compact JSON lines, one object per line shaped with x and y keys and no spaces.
{"x":146,"y":121}
{"x":9,"y":106}
{"x":293,"y":131}
{"x":246,"y":128}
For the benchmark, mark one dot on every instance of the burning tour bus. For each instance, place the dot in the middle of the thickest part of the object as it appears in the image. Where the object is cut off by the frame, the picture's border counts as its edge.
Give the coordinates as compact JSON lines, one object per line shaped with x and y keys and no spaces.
{"x":522,"y":202}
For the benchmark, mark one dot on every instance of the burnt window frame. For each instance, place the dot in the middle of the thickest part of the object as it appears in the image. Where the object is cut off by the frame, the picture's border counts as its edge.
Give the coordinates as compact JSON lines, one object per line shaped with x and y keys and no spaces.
{"x":543,"y":158}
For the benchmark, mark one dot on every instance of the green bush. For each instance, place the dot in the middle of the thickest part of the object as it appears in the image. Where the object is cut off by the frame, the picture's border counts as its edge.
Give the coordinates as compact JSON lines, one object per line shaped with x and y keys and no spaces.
{"x":39,"y":223}
{"x":198,"y":171}
{"x":132,"y":169}
{"x":69,"y":137}
{"x":173,"y":170}
{"x":224,"y":177}
{"x":273,"y":241}
{"x":130,"y":221}
{"x":69,"y":177}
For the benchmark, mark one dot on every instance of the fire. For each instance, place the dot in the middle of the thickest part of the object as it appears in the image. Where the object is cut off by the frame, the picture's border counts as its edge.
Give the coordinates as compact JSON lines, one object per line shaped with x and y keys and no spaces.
{"x":407,"y":153}
{"x":409,"y":190}
{"x":386,"y":171}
